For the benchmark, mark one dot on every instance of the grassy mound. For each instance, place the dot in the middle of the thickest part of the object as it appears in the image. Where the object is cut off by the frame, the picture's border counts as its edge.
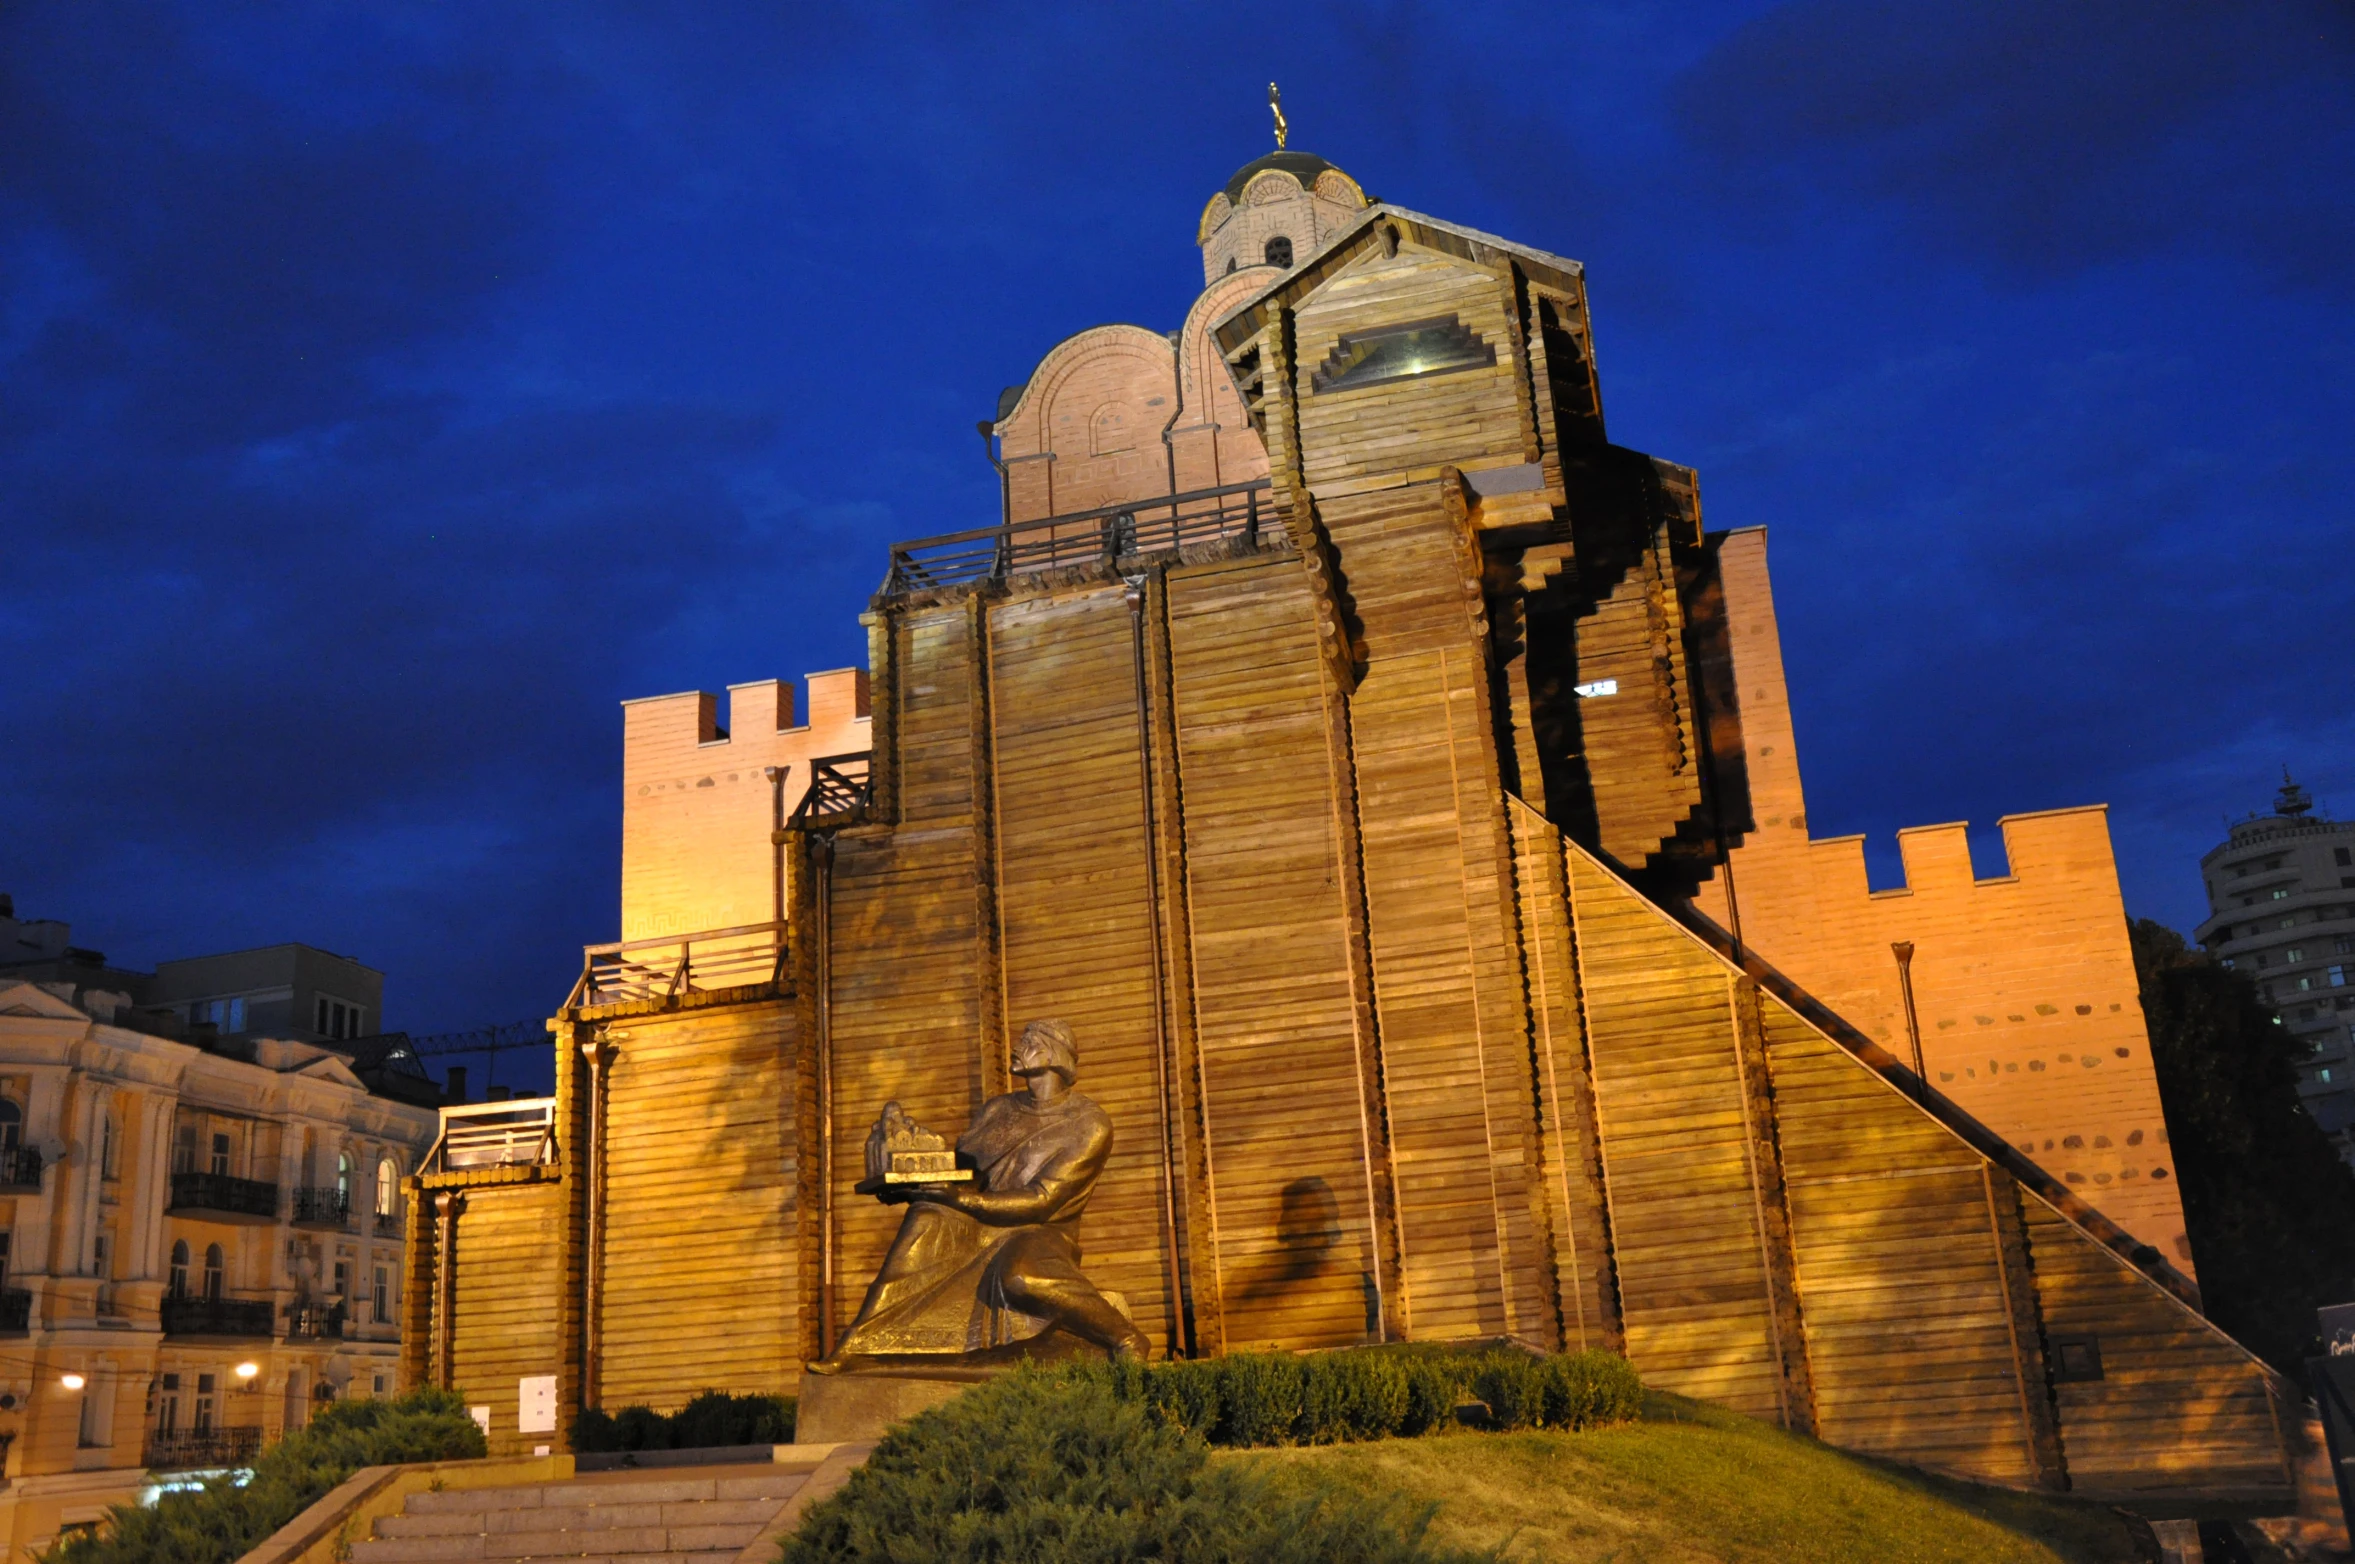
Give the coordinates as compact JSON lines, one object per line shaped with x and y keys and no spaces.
{"x":1690,"y":1483}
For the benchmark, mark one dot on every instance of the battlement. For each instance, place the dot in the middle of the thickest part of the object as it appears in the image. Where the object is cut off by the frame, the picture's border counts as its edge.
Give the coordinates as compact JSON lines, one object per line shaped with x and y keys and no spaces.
{"x":698,"y":803}
{"x":2040,"y":845}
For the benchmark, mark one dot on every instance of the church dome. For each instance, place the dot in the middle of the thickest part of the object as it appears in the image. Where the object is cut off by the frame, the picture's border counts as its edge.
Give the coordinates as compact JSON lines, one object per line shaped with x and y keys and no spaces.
{"x":1275,"y":212}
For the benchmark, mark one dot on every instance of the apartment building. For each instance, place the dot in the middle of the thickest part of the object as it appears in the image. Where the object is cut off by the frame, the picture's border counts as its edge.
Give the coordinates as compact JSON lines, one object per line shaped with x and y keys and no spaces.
{"x":2281,"y":907}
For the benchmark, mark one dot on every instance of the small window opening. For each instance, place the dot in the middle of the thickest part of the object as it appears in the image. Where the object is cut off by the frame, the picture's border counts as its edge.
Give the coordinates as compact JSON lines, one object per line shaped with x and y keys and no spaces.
{"x":1279,"y":251}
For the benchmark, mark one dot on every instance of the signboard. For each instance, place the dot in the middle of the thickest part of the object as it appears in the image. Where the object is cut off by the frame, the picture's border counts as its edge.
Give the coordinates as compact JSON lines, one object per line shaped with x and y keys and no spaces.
{"x":535,"y":1404}
{"x":482,"y":1419}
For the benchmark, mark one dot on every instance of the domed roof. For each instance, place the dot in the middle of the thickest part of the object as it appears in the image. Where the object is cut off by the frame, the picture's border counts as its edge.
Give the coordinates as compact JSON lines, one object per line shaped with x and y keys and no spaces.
{"x":1302,"y":166}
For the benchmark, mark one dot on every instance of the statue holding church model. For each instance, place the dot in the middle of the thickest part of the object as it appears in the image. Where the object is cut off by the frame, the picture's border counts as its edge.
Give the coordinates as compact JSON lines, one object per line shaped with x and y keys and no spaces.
{"x":986,"y":1267}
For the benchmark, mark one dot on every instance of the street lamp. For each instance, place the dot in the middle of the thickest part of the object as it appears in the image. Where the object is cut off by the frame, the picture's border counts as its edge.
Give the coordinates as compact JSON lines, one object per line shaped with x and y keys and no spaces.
{"x":72,"y":1381}
{"x":246,"y":1371}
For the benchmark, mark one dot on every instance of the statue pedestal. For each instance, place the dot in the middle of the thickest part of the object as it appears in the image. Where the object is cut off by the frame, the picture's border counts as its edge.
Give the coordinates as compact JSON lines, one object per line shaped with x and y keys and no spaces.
{"x":858,"y":1408}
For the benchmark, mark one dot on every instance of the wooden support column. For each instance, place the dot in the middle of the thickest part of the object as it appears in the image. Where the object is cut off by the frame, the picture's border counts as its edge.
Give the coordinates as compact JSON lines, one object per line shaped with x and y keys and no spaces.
{"x":596,"y":1054}
{"x":2039,"y":1420}
{"x":575,"y":1099}
{"x":447,"y":1204}
{"x":1795,"y":1384}
{"x":812,"y":1197}
{"x":420,"y":1268}
{"x":996,"y":1047}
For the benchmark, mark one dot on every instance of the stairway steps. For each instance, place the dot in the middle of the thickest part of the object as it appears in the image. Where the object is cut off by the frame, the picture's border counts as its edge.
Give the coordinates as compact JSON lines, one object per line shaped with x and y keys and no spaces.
{"x":605,"y":1519}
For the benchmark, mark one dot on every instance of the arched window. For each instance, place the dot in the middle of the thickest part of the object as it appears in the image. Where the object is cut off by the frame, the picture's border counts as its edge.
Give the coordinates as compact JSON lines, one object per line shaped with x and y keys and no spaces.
{"x":216,"y":1266}
{"x":1279,"y":251}
{"x":179,"y":1284}
{"x":388,"y":1189}
{"x":12,"y":1125}
{"x":343,"y":1178}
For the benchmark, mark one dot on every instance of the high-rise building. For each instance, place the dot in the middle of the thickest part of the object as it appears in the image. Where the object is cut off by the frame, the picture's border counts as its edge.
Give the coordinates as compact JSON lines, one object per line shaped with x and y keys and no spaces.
{"x":2281,"y":908}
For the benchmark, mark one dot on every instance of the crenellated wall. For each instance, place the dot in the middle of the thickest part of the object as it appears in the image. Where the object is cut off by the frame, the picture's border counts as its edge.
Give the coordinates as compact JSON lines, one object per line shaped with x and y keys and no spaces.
{"x":2023,"y":984}
{"x":697,"y":807}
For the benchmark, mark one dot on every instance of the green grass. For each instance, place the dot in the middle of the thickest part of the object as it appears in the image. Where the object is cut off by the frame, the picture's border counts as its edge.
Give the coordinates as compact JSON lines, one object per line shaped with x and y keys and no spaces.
{"x":1690,"y":1483}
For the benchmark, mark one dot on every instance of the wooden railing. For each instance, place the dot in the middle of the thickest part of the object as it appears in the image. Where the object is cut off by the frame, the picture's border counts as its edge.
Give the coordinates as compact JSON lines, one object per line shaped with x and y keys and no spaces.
{"x":495,"y":1135}
{"x":1169,"y":521}
{"x":636,"y":971}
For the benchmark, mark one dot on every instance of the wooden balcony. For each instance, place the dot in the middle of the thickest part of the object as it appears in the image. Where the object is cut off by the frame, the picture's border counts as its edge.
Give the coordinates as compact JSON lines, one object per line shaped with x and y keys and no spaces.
{"x":641,"y":971}
{"x":495,"y":1135}
{"x":1160,"y":525}
{"x":218,"y":1197}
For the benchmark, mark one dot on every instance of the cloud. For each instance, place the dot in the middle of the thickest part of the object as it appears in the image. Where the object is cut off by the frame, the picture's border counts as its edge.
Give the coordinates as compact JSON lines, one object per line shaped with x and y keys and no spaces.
{"x":2042,"y":139}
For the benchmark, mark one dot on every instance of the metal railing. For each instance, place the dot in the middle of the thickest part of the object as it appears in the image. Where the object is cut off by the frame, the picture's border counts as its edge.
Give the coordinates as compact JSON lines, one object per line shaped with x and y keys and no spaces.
{"x":317,"y":1321}
{"x":16,"y":1311}
{"x":495,"y":1135}
{"x":20,"y":1168}
{"x":839,"y":788}
{"x":1169,"y":521}
{"x":324,"y":1206}
{"x":200,"y":1449}
{"x":634,"y":971}
{"x":201,"y":1316}
{"x":222,"y":1193}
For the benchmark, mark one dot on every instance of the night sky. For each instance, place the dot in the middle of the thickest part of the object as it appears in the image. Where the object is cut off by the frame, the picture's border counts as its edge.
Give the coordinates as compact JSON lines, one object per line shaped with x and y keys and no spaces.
{"x":388,"y":391}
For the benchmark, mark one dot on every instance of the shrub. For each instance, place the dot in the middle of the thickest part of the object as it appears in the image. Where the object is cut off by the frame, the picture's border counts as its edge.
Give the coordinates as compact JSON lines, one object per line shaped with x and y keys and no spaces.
{"x":1512,"y":1385}
{"x":1586,"y":1388}
{"x":223,"y":1520}
{"x":1260,"y":1398}
{"x":1432,"y":1390}
{"x":1186,"y":1392}
{"x":712,"y":1418}
{"x":1352,"y":1395}
{"x":1060,"y":1466}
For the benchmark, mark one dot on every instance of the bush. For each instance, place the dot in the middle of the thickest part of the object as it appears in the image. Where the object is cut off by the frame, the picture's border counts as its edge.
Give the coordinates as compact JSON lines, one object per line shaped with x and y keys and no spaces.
{"x":1059,"y":1466}
{"x":712,"y":1418}
{"x":1432,"y":1390}
{"x":1352,"y":1395}
{"x":223,"y":1520}
{"x":1512,"y":1386}
{"x":1259,"y":1396}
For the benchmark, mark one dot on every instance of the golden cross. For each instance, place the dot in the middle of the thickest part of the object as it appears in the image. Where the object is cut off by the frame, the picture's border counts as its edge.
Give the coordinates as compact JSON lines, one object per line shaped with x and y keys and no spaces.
{"x":1275,"y":104}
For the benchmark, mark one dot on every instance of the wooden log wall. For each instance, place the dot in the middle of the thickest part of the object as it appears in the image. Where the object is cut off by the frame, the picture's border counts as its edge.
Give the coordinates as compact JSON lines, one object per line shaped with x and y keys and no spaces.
{"x":1299,"y":1242}
{"x":1068,"y":790}
{"x":1458,"y":1078}
{"x":505,"y":1283}
{"x":700,"y":1209}
{"x":901,"y":1004}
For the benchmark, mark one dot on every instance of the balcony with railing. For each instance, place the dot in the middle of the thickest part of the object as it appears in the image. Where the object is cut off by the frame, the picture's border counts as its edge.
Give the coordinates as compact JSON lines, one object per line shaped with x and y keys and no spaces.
{"x":1100,"y":537}
{"x":16,"y":1311}
{"x":495,"y":1135}
{"x":645,"y":970}
{"x":323,"y":1207}
{"x":315,"y":1321}
{"x":202,"y":1449}
{"x":246,"y":1319}
{"x":20,"y":1170}
{"x":840,"y":786}
{"x":219,"y":1197}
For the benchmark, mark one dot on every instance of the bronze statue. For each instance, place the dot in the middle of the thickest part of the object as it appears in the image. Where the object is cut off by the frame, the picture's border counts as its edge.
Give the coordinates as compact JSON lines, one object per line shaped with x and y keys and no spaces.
{"x":984,"y":1270}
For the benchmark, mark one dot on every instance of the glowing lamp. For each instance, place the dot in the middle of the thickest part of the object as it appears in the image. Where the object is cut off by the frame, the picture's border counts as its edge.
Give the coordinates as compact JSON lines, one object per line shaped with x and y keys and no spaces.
{"x":248,"y":1370}
{"x":72,"y":1381}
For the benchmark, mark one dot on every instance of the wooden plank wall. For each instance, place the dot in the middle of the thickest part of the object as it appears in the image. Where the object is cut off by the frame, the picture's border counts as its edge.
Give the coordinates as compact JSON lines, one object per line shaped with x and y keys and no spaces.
{"x":1694,"y":1292}
{"x":1910,"y":1331}
{"x":1637,"y":750}
{"x":1573,"y":1169}
{"x":1074,"y":904}
{"x":1458,"y":1074}
{"x":904,"y":999}
{"x":700,"y":1209}
{"x":505,"y":1315}
{"x":2178,"y":1403}
{"x":1286,"y":1065}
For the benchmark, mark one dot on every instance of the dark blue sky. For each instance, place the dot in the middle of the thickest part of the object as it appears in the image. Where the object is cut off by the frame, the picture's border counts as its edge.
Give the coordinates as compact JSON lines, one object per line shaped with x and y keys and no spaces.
{"x":386,"y":392}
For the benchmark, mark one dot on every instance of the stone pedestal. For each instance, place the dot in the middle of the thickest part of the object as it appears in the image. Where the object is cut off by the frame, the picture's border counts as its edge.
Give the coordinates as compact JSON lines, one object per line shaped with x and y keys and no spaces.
{"x":858,"y":1408}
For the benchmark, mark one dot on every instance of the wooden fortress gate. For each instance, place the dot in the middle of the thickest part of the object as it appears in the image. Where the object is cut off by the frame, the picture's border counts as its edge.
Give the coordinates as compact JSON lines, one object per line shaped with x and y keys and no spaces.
{"x":1350,"y":819}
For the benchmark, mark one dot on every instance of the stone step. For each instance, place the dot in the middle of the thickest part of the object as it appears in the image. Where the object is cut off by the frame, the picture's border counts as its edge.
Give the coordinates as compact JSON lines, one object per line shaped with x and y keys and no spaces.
{"x":638,"y":1545}
{"x":717,"y":1556}
{"x":605,"y":1518}
{"x":602,"y":1490}
{"x":584,"y":1517}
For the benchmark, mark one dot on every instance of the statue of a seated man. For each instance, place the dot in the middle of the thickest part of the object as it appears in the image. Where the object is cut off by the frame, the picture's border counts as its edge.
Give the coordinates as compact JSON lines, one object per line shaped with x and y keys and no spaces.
{"x":988,"y":1265}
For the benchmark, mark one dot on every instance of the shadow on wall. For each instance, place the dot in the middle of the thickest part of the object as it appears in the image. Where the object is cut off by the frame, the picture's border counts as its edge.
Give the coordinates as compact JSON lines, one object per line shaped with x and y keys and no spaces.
{"x":1308,"y":1248}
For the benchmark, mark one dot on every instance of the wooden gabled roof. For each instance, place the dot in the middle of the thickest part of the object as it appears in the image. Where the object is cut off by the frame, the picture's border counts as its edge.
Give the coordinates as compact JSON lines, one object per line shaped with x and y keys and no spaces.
{"x":1418,"y":228}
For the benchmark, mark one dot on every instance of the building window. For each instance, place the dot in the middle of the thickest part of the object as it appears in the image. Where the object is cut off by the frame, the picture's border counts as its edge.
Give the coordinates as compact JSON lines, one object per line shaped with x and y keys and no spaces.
{"x":343,"y":1178}
{"x":343,"y":1280}
{"x":226,"y":1015}
{"x":2337,"y":976}
{"x":102,"y":1256}
{"x":220,"y":1162}
{"x":388,"y":1189}
{"x":2294,"y":955}
{"x":2282,"y":894}
{"x":1278,"y":251}
{"x":205,"y":1389}
{"x":216,"y":1269}
{"x":380,"y":1384}
{"x":2342,"y":856}
{"x":2344,"y":945}
{"x":12,"y":1124}
{"x":167,"y":1406}
{"x":380,"y":1304}
{"x":336,"y":1019}
{"x":110,"y":1162}
{"x":178,"y":1286}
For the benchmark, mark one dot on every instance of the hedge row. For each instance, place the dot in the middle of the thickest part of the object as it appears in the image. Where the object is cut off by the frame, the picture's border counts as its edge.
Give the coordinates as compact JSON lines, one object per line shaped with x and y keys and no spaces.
{"x":712,"y":1418}
{"x":233,"y":1513}
{"x":1374,"y":1392}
